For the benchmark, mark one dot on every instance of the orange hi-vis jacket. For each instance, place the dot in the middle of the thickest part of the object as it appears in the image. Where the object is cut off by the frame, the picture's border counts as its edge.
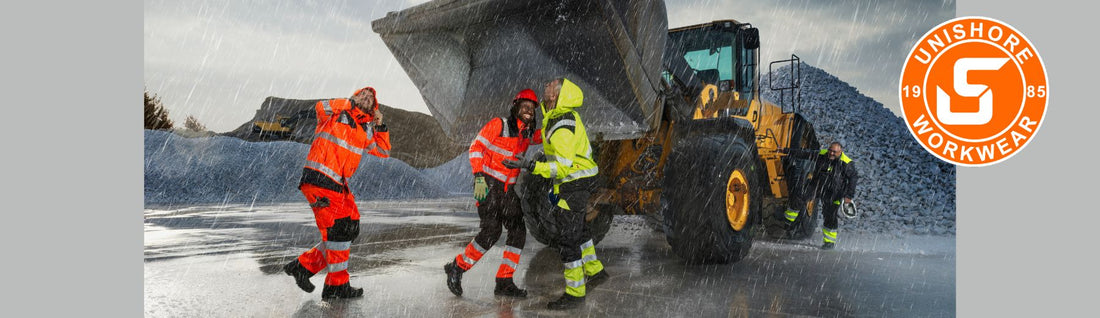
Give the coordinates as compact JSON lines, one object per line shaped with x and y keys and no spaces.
{"x":344,"y":134}
{"x":498,"y":142}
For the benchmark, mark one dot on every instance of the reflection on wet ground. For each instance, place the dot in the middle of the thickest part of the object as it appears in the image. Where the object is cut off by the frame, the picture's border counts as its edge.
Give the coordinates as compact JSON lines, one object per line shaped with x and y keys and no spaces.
{"x":226,"y":261}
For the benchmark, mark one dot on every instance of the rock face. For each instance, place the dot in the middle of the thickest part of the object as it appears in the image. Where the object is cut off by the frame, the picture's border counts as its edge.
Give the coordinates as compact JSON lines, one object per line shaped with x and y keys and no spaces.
{"x":902,"y":188}
{"x":417,"y":138}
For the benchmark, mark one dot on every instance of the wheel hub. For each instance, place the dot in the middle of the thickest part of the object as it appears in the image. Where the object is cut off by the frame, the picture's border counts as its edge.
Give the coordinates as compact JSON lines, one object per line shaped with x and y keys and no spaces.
{"x":737,"y":200}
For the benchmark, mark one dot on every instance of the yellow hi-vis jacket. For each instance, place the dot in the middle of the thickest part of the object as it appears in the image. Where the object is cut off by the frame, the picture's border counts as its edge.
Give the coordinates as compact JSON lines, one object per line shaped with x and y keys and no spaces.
{"x":565,"y":142}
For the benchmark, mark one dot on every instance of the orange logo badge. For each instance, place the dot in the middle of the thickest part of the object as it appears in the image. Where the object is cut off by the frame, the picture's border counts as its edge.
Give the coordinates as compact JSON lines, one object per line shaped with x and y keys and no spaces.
{"x":973,"y":91}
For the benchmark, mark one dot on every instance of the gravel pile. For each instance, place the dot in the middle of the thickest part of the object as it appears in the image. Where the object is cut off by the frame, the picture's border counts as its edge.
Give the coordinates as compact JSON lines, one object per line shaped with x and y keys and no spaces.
{"x":222,"y":169}
{"x":902,"y":188}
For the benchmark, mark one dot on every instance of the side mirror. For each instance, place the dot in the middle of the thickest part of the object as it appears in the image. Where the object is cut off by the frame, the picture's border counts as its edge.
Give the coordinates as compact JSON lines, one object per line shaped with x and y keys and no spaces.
{"x":750,"y":38}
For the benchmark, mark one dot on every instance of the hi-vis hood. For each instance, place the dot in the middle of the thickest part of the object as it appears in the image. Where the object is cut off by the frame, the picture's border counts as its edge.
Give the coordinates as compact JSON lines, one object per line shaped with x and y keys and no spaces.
{"x":570,"y":98}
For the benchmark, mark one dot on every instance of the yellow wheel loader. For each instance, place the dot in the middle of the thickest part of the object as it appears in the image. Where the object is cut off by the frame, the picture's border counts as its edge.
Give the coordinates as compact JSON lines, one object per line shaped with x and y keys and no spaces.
{"x":676,"y":117}
{"x":281,"y":127}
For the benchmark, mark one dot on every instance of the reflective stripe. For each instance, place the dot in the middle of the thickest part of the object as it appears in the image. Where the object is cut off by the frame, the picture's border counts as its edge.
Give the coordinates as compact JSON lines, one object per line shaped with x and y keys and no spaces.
{"x":573,"y":264}
{"x":323,"y":169}
{"x":791,"y":215}
{"x":509,"y":263}
{"x":337,"y":267}
{"x":328,"y":109}
{"x":830,"y":236}
{"x":565,"y":122}
{"x":588,"y":258}
{"x":561,"y":160}
{"x":477,"y":247}
{"x":837,"y":202}
{"x":580,"y":174}
{"x":587,"y":245}
{"x":340,"y":142}
{"x":493,"y":147}
{"x":492,"y":172}
{"x":468,"y":260}
{"x":554,"y":172}
{"x":573,"y":283}
{"x":374,"y":146}
{"x":338,"y":246}
{"x":476,"y":154}
{"x":504,"y":127}
{"x":513,"y":250}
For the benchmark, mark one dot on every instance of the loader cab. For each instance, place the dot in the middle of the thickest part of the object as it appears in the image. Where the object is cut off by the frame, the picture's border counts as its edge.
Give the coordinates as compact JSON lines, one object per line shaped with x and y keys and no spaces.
{"x":717,"y":64}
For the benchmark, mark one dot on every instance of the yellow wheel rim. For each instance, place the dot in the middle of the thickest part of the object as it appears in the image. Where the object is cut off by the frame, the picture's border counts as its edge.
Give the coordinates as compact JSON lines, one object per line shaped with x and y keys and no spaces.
{"x":737,"y":200}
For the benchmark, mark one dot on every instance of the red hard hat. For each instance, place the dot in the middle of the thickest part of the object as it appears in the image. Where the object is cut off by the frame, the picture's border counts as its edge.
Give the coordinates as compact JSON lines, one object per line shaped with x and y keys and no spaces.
{"x":527,"y":94}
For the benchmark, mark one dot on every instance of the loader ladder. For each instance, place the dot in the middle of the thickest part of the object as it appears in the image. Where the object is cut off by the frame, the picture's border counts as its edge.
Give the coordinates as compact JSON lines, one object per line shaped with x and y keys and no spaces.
{"x":790,"y":92}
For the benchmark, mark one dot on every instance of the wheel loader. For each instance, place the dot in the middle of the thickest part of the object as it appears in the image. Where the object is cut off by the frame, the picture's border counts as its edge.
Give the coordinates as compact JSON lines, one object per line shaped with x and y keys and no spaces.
{"x":676,"y":118}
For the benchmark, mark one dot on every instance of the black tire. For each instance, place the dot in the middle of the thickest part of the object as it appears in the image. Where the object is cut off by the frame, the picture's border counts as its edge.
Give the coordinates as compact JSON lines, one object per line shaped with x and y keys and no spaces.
{"x":694,"y":203}
{"x":795,"y":171}
{"x":537,"y":209}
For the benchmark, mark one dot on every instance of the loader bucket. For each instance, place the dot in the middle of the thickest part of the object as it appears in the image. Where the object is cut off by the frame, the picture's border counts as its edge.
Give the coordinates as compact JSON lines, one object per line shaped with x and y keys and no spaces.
{"x":469,"y":58}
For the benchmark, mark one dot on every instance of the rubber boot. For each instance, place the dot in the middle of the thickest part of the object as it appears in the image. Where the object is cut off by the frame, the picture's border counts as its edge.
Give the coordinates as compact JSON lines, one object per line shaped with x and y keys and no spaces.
{"x":566,"y":301}
{"x":828,"y":246}
{"x":595,"y":280}
{"x":301,"y":275}
{"x":506,"y":287}
{"x":454,"y":278}
{"x":341,"y":291}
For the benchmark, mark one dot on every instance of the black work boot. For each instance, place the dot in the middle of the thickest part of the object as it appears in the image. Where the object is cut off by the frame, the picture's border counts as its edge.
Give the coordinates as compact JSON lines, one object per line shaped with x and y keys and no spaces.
{"x":506,"y":287}
{"x":828,"y":246}
{"x":596,"y":280}
{"x":301,"y":275}
{"x":341,"y":291}
{"x":566,"y":301}
{"x":454,"y":278}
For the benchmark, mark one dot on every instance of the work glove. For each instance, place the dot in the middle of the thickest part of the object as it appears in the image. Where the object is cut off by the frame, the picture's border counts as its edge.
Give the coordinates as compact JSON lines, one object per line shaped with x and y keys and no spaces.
{"x":553,"y":198}
{"x":521,"y":162}
{"x":481,"y":190}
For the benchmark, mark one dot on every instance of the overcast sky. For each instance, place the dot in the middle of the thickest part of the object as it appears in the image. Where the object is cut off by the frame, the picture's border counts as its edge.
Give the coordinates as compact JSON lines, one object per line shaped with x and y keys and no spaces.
{"x":218,"y":60}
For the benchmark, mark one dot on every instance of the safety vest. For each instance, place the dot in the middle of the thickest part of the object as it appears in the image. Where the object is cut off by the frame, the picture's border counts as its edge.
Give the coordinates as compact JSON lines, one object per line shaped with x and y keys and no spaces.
{"x":496,"y":143}
{"x":340,"y":140}
{"x":565,"y":141}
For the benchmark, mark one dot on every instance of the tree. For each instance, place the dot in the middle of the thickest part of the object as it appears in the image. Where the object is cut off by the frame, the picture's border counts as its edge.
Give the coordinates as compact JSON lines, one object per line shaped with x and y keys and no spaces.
{"x":193,"y":124}
{"x":156,"y":116}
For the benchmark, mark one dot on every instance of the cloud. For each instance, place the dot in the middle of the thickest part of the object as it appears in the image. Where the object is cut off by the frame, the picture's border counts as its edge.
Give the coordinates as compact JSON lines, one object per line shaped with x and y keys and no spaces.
{"x":218,"y":60}
{"x":861,"y":42}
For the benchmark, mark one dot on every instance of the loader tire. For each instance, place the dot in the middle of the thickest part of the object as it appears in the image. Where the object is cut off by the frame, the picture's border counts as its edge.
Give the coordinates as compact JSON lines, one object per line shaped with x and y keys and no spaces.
{"x":711,"y":198}
{"x":795,"y":171}
{"x":537,"y":209}
{"x":775,"y":221}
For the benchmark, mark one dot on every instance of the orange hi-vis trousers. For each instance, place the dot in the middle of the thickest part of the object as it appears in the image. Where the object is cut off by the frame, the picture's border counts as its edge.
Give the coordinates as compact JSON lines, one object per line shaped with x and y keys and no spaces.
{"x":338,"y":220}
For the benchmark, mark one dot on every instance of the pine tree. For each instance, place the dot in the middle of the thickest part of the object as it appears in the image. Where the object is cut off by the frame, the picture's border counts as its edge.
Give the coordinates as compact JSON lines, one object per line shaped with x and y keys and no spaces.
{"x":193,"y":124}
{"x":156,"y":116}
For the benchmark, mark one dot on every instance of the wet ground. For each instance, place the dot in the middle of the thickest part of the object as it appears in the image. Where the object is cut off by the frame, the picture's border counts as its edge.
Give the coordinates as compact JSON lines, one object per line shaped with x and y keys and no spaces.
{"x":225,"y":261}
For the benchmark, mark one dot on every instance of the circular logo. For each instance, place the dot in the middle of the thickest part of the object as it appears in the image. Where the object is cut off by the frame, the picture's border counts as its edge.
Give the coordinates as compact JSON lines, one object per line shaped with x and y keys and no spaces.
{"x":973,"y":91}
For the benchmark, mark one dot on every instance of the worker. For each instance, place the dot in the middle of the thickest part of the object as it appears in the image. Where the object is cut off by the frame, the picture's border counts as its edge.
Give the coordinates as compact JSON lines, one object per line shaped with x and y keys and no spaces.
{"x":832,"y":179}
{"x":571,"y":167}
{"x":346,"y":130}
{"x":497,"y":203}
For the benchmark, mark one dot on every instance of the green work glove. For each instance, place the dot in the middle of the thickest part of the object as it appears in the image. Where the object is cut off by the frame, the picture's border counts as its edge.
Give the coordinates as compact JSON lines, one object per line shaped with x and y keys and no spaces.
{"x":481,"y":190}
